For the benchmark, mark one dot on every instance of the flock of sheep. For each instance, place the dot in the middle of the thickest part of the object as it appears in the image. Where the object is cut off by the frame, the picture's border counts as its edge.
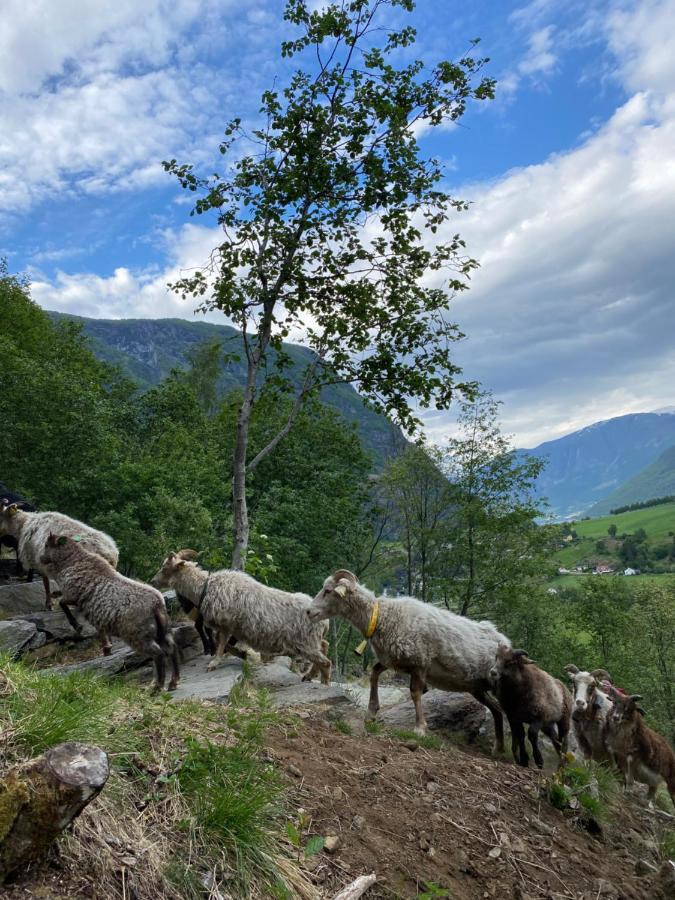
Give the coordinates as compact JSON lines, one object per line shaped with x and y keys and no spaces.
{"x":434,"y":647}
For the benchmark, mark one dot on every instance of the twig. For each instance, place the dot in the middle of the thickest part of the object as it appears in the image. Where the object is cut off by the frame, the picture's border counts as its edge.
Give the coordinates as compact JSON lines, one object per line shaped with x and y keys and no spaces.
{"x":356,"y":888}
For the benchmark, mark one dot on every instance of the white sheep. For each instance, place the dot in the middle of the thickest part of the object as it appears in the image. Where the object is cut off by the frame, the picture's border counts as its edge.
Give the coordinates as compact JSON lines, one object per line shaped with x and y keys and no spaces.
{"x":590,"y":709}
{"x":113,"y":603}
{"x":434,"y":646}
{"x":31,"y":530}
{"x":269,"y":620}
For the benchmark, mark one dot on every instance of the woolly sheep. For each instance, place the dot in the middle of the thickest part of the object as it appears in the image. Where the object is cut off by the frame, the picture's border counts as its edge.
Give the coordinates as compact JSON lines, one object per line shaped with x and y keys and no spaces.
{"x":8,"y":540}
{"x":590,"y":708}
{"x":529,"y":695}
{"x":31,"y":530}
{"x":434,"y":646}
{"x":640,"y":753}
{"x":269,"y":620}
{"x":113,"y":603}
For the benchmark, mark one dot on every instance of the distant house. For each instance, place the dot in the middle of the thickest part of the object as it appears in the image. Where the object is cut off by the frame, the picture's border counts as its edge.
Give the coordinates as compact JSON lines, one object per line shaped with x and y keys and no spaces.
{"x":563,"y":571}
{"x":551,"y":591}
{"x":568,"y":539}
{"x":630,"y":571}
{"x":603,"y":569}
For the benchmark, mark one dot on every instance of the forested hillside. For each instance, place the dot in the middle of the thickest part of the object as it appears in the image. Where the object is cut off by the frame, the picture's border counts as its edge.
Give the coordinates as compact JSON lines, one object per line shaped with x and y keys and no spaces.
{"x":656,"y":480}
{"x":147,"y":350}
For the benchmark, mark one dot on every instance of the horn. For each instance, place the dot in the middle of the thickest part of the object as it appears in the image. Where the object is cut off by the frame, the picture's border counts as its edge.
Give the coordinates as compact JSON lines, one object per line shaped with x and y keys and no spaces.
{"x":188,"y":554}
{"x":571,"y":669}
{"x":346,"y":575}
{"x":635,"y":697}
{"x":518,"y":654}
{"x":601,"y":675}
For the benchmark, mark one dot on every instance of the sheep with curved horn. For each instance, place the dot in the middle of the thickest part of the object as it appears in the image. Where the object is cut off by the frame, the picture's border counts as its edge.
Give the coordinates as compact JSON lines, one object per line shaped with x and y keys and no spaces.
{"x":590,"y":707}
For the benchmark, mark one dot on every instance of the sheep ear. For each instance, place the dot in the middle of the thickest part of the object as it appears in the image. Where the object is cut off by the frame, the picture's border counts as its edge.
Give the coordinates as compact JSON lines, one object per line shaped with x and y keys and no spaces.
{"x":641,"y":710}
{"x":601,"y":675}
{"x":341,"y":590}
{"x":12,"y":509}
{"x":634,"y":698}
{"x":571,"y":671}
{"x":181,"y":563}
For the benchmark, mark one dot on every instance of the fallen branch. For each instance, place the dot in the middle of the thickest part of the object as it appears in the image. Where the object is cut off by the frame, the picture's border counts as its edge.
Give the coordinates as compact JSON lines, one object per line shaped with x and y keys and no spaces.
{"x":356,"y":888}
{"x":40,"y":798}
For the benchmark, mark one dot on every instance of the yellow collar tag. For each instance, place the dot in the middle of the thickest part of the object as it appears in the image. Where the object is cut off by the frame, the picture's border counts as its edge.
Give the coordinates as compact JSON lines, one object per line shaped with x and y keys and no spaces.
{"x":370,"y":630}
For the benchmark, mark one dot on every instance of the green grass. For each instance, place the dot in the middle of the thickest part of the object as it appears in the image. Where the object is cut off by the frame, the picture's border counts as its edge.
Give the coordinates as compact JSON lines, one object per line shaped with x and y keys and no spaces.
{"x":210,"y":802}
{"x":589,"y":789}
{"x":428,"y":741}
{"x":657,"y":521}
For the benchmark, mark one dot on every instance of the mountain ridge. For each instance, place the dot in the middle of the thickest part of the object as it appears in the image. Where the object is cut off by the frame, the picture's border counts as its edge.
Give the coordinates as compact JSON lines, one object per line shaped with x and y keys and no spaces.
{"x":148,"y":349}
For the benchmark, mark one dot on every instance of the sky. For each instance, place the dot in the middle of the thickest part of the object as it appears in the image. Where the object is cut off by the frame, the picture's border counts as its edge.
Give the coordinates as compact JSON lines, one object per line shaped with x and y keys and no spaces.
{"x":570,"y":173}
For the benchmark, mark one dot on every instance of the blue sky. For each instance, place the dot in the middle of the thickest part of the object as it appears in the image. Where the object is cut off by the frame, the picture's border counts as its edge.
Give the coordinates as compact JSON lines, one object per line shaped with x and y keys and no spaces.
{"x":571,"y":172}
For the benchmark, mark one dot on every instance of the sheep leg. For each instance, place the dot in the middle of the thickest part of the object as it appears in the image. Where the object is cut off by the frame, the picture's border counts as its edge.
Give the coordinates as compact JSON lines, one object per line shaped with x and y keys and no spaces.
{"x":64,"y":604}
{"x":223,"y":640}
{"x":106,"y":643}
{"x":416,"y":691}
{"x":374,"y":700}
{"x":48,"y":593}
{"x":549,"y":731}
{"x":205,"y":635}
{"x":518,"y":747}
{"x":159,"y":665}
{"x":234,"y":650}
{"x":533,"y":735}
{"x":497,"y":717}
{"x":172,"y":651}
{"x":320,"y":662}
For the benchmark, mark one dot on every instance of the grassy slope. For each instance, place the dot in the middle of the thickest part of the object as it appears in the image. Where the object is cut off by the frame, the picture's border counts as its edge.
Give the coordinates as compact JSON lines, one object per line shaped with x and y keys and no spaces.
{"x":657,"y":521}
{"x":657,"y":480}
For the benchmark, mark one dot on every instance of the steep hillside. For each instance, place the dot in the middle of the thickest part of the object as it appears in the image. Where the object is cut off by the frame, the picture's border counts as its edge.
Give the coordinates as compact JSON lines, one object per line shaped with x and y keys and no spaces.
{"x":148,"y":349}
{"x":657,"y":480}
{"x":587,"y":465}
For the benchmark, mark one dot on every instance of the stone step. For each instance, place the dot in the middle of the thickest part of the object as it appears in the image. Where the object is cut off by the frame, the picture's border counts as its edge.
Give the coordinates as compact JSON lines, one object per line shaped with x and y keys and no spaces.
{"x":20,"y":597}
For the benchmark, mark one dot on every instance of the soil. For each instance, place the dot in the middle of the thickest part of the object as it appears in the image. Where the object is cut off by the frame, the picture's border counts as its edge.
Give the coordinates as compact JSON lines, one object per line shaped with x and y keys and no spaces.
{"x":451,"y":818}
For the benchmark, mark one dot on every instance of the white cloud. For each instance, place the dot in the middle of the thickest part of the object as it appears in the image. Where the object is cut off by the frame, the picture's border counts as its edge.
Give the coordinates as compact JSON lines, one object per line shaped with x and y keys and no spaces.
{"x":570,"y":317}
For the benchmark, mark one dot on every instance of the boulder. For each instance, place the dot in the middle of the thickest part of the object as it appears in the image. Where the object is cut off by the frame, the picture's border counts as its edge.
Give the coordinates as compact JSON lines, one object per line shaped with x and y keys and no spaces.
{"x":19,"y":597}
{"x":56,"y":627}
{"x":15,"y":636}
{"x":444,"y":711}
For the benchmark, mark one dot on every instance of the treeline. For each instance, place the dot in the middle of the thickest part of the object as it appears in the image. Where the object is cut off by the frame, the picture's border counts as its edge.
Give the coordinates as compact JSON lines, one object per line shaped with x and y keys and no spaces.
{"x":643,"y":504}
{"x":153,"y":469}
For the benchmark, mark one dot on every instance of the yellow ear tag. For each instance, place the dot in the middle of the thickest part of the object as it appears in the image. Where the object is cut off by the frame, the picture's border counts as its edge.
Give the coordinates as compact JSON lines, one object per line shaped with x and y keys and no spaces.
{"x":12,"y":511}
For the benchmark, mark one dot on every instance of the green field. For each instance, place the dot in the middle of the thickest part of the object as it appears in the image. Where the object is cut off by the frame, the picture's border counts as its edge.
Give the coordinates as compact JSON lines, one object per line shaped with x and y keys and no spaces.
{"x":657,"y":521}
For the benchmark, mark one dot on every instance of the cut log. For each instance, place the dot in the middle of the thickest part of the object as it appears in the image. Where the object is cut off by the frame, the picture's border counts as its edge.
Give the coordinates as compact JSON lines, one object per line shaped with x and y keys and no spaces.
{"x":40,"y":798}
{"x":356,"y":888}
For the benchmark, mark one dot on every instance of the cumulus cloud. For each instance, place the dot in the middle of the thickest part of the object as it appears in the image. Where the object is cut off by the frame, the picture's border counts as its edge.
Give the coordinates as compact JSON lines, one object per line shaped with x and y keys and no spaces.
{"x":569,"y":319}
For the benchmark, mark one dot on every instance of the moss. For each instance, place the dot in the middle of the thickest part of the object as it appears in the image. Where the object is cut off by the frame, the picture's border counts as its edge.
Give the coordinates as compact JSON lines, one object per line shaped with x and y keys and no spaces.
{"x":13,"y":795}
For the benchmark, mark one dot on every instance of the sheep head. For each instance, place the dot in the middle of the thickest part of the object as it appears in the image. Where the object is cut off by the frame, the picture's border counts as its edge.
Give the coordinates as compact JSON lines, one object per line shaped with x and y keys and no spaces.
{"x":626,"y":708}
{"x":165,"y":576}
{"x":508,"y":660}
{"x":328,"y":601}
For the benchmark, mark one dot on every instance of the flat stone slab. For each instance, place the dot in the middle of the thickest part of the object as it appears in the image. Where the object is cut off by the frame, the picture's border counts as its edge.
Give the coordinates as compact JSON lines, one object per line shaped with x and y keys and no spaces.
{"x":275,"y":675}
{"x":196,"y":683}
{"x":56,"y":627}
{"x":308,"y":693}
{"x":16,"y":635}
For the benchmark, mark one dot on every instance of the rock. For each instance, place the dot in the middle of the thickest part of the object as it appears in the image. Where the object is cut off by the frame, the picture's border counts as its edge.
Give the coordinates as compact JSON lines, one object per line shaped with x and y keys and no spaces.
{"x":605,"y":888}
{"x":197,"y":682}
{"x":665,"y":879}
{"x":19,"y":597}
{"x":273,"y":676}
{"x":424,"y":842}
{"x":56,"y":627}
{"x":358,"y":822}
{"x":294,"y":770}
{"x":643,"y":867}
{"x":15,"y":635}
{"x":388,"y":694}
{"x":411,"y":745}
{"x":433,"y":787}
{"x":38,"y":640}
{"x":491,"y":808}
{"x":444,"y":711}
{"x":542,"y":827}
{"x":310,"y":692}
{"x":495,"y":852}
{"x":332,"y":843}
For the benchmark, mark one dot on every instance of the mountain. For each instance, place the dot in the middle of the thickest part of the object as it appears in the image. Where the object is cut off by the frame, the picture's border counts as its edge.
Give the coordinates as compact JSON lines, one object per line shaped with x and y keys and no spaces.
{"x":148,"y":349}
{"x":588,"y":465}
{"x":656,"y":480}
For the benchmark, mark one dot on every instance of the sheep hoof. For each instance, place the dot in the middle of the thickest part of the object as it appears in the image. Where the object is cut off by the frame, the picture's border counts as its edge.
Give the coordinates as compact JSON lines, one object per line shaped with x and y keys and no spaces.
{"x":420,"y":730}
{"x":173,"y":685}
{"x":107,"y":651}
{"x":155,"y":689}
{"x":213,"y":665}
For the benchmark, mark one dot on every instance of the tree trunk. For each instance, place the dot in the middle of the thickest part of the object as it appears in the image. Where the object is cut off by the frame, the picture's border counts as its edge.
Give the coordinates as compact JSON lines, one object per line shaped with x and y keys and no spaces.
{"x":241,"y":525}
{"x":40,"y":798}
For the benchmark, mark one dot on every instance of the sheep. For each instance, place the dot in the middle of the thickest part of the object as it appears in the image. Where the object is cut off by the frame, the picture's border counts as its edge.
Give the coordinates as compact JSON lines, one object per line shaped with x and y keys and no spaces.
{"x":590,"y":709}
{"x":433,"y":645}
{"x":205,"y":633}
{"x":529,"y":695}
{"x":31,"y":530}
{"x":270,"y":621}
{"x":8,"y":540}
{"x":640,"y":753}
{"x":113,"y":603}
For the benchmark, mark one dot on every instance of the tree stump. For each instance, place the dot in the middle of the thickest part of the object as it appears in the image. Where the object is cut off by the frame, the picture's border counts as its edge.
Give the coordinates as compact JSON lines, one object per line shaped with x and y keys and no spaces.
{"x":40,"y":798}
